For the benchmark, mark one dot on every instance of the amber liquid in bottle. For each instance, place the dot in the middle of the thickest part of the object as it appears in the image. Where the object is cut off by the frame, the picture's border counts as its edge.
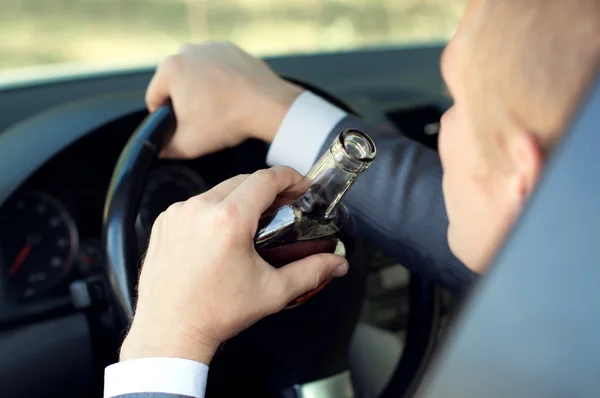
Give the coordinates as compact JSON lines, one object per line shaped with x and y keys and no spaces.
{"x":315,"y":221}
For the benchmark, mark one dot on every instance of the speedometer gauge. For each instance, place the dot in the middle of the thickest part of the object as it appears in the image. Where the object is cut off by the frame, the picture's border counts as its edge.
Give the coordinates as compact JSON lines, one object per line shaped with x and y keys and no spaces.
{"x":167,"y":185}
{"x":38,"y":240}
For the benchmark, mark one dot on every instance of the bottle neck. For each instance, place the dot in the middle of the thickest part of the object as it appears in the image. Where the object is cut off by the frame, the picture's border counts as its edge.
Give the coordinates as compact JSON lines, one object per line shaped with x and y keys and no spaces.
{"x":334,"y":173}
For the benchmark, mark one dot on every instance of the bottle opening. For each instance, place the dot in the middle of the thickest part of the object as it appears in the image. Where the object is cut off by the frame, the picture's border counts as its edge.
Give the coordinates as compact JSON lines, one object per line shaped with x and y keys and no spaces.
{"x":358,"y":145}
{"x":352,"y":151}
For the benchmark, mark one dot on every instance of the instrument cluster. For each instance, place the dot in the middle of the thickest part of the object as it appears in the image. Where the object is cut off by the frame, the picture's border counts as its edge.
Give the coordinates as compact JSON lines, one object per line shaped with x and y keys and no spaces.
{"x":41,"y":247}
{"x":39,"y":243}
{"x":51,"y":226}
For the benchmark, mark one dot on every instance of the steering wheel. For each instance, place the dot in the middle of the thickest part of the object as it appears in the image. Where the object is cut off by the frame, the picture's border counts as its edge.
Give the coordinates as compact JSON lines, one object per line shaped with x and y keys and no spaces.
{"x":283,"y":352}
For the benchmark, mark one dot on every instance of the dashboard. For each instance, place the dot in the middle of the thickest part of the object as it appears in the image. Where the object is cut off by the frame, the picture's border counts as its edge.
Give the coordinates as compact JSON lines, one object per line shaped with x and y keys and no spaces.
{"x":51,"y":226}
{"x":51,"y":222}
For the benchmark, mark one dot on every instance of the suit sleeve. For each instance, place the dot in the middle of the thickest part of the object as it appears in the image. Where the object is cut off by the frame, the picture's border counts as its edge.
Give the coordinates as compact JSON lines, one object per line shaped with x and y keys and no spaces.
{"x":398,"y":204}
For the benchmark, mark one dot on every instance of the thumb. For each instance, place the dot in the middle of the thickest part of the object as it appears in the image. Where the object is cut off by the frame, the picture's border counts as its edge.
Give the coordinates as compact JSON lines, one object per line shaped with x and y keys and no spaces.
{"x":181,"y":145}
{"x":308,"y":273}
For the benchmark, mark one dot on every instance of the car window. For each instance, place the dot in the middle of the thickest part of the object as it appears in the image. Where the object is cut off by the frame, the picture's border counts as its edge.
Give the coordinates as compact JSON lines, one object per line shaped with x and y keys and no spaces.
{"x":125,"y":32}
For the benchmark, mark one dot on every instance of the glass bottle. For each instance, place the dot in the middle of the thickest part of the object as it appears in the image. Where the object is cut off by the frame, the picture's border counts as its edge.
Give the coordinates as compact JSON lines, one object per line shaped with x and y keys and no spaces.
{"x":309,"y":218}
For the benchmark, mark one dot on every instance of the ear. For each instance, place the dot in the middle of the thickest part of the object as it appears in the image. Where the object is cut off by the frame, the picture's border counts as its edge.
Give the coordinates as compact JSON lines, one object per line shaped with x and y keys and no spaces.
{"x":528,"y":159}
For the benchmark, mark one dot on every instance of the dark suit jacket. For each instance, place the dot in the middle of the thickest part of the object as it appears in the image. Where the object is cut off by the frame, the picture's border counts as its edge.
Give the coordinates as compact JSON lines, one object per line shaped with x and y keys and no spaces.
{"x":398,"y":204}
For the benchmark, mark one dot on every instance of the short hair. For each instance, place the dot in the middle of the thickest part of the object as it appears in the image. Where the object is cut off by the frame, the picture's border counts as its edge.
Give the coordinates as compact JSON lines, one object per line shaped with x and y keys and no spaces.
{"x":528,"y":64}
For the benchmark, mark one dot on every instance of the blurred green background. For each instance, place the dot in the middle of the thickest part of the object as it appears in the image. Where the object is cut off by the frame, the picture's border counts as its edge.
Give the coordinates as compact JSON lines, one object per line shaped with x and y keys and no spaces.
{"x":122,"y":32}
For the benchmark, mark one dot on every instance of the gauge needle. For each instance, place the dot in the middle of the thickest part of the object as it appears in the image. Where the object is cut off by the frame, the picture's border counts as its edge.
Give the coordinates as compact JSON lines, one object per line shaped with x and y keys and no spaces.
{"x":23,"y":253}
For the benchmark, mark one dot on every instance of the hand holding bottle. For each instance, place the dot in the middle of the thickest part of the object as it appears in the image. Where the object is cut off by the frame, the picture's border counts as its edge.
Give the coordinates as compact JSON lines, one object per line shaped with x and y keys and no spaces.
{"x":315,"y":221}
{"x":203,"y":282}
{"x":221,"y":96}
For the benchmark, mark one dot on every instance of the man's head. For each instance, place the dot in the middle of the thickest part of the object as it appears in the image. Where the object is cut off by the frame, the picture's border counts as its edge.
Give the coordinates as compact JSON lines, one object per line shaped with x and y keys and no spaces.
{"x":516,"y":69}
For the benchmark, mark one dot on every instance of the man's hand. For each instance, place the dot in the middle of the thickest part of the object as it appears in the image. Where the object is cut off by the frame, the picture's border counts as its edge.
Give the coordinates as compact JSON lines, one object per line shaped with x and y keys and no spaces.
{"x":221,"y":97}
{"x":203,"y":282}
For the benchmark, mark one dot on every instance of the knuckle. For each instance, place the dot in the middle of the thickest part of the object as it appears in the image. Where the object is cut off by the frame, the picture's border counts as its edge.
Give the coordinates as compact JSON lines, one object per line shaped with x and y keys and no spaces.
{"x":161,"y":221}
{"x":173,"y":208}
{"x":171,"y":212}
{"x":288,"y":169}
{"x":238,"y":179}
{"x":202,"y":200}
{"x":171,"y":64}
{"x":227,"y":215}
{"x":149,"y":98}
{"x":226,"y":223}
{"x":158,"y":223}
{"x":267,"y":175}
{"x":290,"y":172}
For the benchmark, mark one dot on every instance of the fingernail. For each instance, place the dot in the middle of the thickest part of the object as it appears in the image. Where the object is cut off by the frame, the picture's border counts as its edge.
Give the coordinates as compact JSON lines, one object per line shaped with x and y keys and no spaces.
{"x":340,"y":270}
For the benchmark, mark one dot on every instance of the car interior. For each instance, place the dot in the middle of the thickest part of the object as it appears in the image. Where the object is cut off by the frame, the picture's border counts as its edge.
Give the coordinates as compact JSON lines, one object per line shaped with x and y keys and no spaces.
{"x":75,"y":186}
{"x":61,"y":140}
{"x":59,"y":155}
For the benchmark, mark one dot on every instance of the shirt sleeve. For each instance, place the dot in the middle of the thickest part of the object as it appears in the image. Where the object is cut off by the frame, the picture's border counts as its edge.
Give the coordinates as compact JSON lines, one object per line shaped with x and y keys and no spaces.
{"x":156,"y":375}
{"x":303,"y":131}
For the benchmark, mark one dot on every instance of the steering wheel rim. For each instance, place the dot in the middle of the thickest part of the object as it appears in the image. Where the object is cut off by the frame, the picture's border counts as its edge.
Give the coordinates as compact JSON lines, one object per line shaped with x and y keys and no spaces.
{"x":126,"y":186}
{"x":119,"y":240}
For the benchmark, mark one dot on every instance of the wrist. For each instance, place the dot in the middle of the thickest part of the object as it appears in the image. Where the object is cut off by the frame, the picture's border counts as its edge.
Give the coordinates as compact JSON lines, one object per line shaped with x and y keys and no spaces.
{"x":153,"y":342}
{"x":273,"y":108}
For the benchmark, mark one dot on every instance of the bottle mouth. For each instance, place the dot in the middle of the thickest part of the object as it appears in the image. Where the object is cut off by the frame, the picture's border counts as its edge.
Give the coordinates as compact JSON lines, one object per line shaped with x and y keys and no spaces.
{"x":353,"y":151}
{"x":358,"y":145}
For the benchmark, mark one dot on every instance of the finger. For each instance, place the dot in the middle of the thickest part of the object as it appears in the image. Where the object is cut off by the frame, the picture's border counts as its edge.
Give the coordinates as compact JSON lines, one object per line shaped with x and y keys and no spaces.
{"x":171,"y":152}
{"x":158,"y":91}
{"x":177,"y":147}
{"x":302,"y":276}
{"x":290,"y":194}
{"x":222,"y":190}
{"x":257,"y":192}
{"x":281,"y":255}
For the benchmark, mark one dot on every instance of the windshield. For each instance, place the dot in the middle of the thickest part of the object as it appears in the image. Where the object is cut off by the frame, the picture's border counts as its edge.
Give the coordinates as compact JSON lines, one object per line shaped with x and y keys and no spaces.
{"x":133,"y":32}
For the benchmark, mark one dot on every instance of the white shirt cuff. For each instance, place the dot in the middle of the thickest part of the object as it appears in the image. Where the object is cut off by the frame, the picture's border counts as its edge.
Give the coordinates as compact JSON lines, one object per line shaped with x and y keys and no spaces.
{"x":158,"y":375}
{"x":303,"y":131}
